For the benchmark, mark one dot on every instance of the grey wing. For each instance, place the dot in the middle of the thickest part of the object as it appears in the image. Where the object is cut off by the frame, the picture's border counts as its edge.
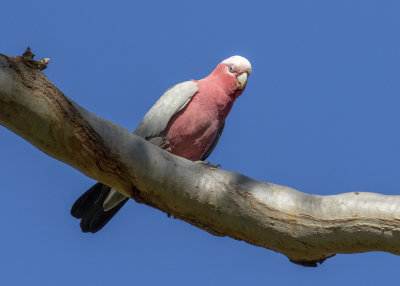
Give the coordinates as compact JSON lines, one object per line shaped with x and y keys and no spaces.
{"x":171,"y":102}
{"x":214,"y":143}
{"x":155,"y":122}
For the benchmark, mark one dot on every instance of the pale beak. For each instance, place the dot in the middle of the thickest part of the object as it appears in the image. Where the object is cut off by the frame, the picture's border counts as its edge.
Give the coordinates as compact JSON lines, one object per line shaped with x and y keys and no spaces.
{"x":241,"y":80}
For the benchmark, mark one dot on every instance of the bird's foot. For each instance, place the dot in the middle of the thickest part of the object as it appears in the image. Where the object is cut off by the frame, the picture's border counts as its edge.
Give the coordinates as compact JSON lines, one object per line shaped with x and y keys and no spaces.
{"x":166,"y":145}
{"x":215,"y":166}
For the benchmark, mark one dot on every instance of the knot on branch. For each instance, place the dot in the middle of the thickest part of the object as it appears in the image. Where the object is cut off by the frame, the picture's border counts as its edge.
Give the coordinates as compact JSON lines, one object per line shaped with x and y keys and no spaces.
{"x":310,"y":263}
{"x":27,"y":59}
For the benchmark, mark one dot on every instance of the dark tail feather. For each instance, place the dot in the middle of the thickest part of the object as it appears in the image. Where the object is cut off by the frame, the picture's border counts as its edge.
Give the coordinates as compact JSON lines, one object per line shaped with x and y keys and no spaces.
{"x":89,"y":208}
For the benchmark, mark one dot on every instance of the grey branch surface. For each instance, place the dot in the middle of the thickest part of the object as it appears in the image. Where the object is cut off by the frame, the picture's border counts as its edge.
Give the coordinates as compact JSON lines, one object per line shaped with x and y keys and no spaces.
{"x":306,"y":228}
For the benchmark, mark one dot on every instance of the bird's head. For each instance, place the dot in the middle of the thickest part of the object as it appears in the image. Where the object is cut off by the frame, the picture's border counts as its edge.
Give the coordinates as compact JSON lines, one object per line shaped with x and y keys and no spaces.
{"x":232,"y":74}
{"x":239,"y":67}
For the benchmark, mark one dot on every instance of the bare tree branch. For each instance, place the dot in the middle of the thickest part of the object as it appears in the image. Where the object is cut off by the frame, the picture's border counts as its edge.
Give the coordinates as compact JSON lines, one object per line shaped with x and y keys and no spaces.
{"x":306,"y":228}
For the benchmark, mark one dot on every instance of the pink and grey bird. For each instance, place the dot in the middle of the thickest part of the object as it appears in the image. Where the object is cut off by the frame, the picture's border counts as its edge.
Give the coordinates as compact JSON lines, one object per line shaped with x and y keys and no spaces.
{"x":187,"y":121}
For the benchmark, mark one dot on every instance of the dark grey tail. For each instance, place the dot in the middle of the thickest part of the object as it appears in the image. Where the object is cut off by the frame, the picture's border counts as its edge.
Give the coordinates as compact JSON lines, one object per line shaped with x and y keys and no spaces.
{"x":89,"y":208}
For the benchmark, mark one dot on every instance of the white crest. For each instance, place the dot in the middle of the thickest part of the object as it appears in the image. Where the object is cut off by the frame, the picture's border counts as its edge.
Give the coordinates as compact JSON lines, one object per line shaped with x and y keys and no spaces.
{"x":239,"y":61}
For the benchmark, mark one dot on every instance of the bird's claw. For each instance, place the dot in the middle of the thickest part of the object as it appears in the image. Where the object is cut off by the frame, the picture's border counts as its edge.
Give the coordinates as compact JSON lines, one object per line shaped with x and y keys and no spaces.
{"x":215,"y":166}
{"x":167,"y":145}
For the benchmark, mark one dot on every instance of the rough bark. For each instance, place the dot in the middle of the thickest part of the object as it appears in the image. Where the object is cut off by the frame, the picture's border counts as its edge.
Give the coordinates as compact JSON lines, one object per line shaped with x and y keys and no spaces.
{"x":306,"y":228}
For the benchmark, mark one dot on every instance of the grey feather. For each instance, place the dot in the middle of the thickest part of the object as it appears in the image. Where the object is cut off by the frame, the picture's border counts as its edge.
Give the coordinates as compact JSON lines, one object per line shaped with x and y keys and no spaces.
{"x":155,"y":121}
{"x":171,"y":102}
{"x":113,"y":199}
{"x":214,"y":143}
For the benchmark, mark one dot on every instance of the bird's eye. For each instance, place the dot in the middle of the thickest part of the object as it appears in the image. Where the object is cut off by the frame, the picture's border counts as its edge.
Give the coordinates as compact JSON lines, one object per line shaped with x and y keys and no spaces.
{"x":232,"y":68}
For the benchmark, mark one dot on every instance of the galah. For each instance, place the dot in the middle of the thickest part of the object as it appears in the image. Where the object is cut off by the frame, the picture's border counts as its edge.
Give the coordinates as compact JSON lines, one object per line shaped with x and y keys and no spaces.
{"x":187,"y":121}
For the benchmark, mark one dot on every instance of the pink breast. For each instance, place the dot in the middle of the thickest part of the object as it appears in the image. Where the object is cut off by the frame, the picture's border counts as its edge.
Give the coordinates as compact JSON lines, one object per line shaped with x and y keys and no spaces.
{"x":192,"y":131}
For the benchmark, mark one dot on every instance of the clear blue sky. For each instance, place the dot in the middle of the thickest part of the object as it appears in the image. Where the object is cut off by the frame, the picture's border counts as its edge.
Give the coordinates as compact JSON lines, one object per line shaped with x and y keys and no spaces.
{"x":320,"y":114}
